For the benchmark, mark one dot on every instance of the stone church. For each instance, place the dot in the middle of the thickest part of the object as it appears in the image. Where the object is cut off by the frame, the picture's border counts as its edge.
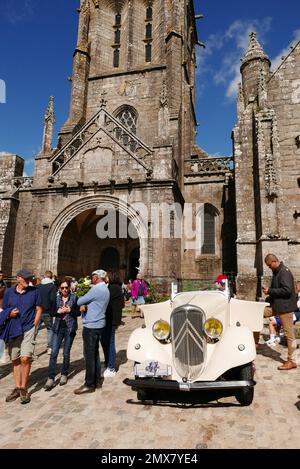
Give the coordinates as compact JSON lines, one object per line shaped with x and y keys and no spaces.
{"x":129,"y":143}
{"x":266,"y":141}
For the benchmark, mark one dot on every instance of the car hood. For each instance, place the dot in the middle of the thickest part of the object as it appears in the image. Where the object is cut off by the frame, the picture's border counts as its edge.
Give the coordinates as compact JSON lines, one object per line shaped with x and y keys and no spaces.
{"x":212,"y":303}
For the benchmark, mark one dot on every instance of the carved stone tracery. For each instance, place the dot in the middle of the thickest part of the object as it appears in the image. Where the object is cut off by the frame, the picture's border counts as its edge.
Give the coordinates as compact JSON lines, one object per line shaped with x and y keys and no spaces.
{"x":204,"y":166}
{"x":23,"y":183}
{"x":270,"y":179}
{"x":112,"y":127}
{"x":164,"y":96}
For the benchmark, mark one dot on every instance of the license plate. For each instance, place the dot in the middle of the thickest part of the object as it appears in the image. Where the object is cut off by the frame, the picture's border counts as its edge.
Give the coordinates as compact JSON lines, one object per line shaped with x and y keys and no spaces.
{"x":152,"y":369}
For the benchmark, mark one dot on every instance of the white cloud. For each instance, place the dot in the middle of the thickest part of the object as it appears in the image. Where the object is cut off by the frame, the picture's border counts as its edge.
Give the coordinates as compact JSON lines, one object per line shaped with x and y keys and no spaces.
{"x":278,"y":59}
{"x":235,"y":39}
{"x":239,"y":32}
{"x":16,"y":11}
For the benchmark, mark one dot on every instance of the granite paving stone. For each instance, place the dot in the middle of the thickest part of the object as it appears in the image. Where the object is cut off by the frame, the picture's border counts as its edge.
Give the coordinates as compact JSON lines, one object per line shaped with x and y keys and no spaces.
{"x":113,"y":418}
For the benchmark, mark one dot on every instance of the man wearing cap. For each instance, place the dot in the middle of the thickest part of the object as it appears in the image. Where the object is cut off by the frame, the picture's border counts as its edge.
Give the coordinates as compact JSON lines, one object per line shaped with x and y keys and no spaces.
{"x":93,"y":307}
{"x":21,"y":314}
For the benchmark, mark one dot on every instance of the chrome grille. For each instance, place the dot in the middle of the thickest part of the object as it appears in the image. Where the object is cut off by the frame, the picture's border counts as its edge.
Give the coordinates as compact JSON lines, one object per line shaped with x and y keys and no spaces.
{"x":188,"y":341}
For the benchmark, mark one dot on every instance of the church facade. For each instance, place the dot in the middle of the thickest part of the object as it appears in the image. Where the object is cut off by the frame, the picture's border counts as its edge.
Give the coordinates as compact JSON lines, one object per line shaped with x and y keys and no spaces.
{"x":128,"y":146}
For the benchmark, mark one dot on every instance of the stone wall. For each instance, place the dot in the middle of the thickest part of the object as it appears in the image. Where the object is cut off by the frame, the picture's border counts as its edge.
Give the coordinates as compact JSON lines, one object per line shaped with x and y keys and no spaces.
{"x":206,"y":183}
{"x":11,"y":166}
{"x":38,"y":219}
{"x":267,"y":157}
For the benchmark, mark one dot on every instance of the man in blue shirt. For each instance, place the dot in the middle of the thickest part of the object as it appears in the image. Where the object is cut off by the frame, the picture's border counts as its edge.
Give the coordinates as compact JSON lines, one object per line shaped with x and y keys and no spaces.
{"x":21,"y":314}
{"x":93,"y":307}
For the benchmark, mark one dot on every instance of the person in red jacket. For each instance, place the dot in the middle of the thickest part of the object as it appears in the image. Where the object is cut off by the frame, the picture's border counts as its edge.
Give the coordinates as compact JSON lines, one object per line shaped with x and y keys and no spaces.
{"x":221,"y":282}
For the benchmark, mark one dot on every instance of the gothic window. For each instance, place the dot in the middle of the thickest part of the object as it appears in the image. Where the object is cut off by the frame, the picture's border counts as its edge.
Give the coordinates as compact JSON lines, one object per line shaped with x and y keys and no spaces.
{"x":149,"y":13}
{"x":148,"y":52}
{"x":208,"y":222}
{"x":117,"y":36}
{"x":129,"y":119}
{"x":148,"y":34}
{"x":116,"y":58}
{"x":149,"y":31}
{"x":209,"y":244}
{"x":117,"y":42}
{"x":118,"y":20}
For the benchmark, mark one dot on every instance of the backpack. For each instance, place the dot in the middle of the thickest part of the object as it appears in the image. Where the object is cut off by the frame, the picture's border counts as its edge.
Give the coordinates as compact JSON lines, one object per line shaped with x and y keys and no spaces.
{"x":141,"y":289}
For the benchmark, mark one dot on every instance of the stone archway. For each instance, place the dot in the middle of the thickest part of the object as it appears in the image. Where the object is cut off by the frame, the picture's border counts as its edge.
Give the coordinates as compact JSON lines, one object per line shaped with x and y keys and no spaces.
{"x":110,"y":259}
{"x":92,"y":203}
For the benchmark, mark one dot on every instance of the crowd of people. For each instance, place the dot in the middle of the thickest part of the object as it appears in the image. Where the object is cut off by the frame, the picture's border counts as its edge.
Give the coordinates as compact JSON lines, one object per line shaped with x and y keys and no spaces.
{"x":32,"y":302}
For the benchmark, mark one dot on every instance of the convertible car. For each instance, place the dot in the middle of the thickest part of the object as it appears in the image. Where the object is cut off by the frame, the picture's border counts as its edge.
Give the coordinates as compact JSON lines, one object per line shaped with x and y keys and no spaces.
{"x":199,"y":341}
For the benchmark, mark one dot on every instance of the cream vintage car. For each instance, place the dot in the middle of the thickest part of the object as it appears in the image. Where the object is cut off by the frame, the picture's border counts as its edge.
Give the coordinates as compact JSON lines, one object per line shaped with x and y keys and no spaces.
{"x":199,"y":341}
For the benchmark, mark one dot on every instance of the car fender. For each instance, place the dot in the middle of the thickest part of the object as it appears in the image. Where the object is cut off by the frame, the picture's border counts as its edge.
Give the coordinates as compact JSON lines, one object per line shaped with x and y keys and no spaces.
{"x":247,"y":313}
{"x":143,"y":346}
{"x":226,"y":353}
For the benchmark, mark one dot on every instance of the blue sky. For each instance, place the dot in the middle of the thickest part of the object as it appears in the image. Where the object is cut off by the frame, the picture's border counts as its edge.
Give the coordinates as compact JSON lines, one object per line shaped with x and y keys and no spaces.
{"x":37,"y":40}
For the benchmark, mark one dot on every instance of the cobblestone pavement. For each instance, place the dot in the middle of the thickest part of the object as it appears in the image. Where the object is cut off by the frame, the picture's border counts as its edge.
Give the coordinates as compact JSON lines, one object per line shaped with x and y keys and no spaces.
{"x":113,"y":418}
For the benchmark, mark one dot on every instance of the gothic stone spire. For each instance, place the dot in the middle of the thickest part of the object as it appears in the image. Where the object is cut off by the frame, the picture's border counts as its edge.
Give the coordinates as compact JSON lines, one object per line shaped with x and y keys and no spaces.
{"x":254,"y":51}
{"x":48,"y":127}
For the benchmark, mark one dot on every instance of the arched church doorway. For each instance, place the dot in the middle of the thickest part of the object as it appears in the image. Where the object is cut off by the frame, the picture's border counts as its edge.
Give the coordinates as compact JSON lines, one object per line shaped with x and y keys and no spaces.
{"x":134,"y":263}
{"x":81,"y":251}
{"x":110,"y":259}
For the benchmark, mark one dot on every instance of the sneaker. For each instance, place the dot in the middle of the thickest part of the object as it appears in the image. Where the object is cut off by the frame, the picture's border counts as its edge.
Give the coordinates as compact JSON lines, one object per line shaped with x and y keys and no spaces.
{"x":24,"y":396}
{"x":49,"y":384}
{"x":49,"y":351}
{"x":63,"y":380}
{"x":272,"y":342}
{"x":13,"y":395}
{"x":108,"y":373}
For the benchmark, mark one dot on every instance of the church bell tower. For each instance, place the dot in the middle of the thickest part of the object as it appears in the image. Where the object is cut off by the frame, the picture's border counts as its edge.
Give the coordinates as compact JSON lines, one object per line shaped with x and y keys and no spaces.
{"x":138,"y":58}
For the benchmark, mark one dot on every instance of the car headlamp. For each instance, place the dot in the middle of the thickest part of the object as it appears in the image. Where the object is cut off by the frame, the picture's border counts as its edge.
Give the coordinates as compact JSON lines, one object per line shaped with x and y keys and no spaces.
{"x":161,"y":330}
{"x":213,"y":328}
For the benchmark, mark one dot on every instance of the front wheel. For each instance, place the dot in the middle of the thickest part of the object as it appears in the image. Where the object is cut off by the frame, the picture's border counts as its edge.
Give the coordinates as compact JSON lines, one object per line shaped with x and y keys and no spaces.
{"x":245,"y":395}
{"x":143,"y":395}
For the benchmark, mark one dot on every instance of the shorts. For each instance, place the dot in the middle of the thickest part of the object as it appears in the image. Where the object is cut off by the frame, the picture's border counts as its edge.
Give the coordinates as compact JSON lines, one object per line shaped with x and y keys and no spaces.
{"x":139,"y":301}
{"x":22,"y":346}
{"x":296,"y":316}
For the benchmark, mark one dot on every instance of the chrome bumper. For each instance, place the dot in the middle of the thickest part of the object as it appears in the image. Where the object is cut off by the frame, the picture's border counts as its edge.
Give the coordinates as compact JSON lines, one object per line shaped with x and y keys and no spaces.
{"x":160,"y":384}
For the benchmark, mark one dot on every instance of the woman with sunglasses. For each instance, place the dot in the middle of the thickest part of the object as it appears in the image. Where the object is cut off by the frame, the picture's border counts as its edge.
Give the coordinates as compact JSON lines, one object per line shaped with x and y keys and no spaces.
{"x":64,"y":329}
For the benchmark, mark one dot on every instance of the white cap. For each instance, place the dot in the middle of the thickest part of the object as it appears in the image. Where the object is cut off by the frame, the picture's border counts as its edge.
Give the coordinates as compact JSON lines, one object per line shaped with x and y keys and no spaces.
{"x":100,"y":273}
